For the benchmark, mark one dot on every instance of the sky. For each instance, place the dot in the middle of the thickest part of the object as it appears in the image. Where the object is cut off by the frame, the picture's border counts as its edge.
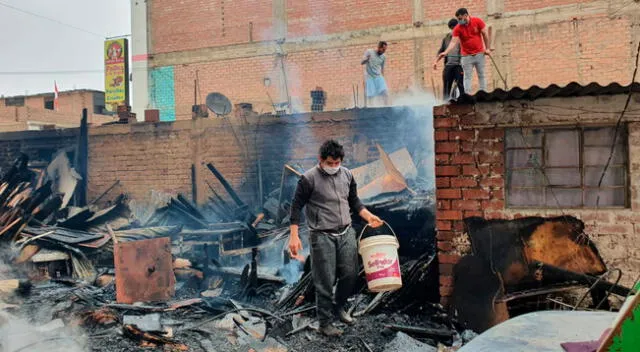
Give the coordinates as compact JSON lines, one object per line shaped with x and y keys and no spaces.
{"x":35,"y":44}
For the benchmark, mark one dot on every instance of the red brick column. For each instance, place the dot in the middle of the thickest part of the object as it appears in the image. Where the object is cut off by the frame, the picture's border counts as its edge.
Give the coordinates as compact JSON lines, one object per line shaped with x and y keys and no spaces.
{"x":469,"y":182}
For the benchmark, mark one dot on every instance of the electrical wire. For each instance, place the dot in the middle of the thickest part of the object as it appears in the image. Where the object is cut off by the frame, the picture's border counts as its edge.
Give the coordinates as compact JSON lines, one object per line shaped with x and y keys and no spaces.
{"x":70,"y":72}
{"x":583,"y":110}
{"x":619,"y":124}
{"x":51,"y":19}
{"x":40,"y":73}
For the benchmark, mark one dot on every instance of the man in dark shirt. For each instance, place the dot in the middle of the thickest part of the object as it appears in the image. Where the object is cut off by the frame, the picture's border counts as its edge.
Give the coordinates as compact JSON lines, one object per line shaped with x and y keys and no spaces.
{"x":452,"y":71}
{"x":475,"y":43}
{"x":329,"y":193}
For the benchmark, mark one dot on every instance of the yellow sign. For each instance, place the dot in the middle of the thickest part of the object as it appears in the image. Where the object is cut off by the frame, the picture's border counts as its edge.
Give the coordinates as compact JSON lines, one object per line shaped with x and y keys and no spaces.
{"x":116,"y":73}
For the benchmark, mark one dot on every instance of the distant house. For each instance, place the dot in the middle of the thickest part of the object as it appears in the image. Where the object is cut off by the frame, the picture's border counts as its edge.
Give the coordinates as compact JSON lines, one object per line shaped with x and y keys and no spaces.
{"x":36,"y":112}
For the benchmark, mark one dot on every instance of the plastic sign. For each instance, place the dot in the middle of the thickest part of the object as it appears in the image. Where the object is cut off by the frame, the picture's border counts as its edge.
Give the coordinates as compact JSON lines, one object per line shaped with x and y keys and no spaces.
{"x":116,"y":73}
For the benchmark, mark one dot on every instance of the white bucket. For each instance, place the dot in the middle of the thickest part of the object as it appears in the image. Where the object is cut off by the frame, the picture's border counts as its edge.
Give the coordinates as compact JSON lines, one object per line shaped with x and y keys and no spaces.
{"x":381,"y":264}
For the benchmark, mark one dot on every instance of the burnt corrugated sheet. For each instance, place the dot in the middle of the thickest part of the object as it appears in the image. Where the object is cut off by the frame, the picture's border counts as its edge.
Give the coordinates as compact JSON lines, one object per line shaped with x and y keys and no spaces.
{"x":572,"y":89}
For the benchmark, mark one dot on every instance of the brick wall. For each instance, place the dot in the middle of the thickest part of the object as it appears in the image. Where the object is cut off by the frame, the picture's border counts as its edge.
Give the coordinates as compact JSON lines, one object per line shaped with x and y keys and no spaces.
{"x":445,"y":10}
{"x":197,"y":24}
{"x":470,"y":179}
{"x":230,"y":44}
{"x":573,"y":50}
{"x":149,"y":157}
{"x":313,"y":18}
{"x":242,"y":80}
{"x":38,"y":145}
{"x":146,"y":157}
{"x":247,"y":76}
{"x":520,"y":5}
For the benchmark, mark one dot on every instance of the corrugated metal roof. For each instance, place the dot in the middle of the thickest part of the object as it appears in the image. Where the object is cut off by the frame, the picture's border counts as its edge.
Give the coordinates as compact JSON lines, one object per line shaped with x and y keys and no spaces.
{"x":572,"y":89}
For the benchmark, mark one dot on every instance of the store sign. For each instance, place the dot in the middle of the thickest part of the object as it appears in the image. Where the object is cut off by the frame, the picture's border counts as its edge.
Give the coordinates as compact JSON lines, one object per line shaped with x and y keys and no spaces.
{"x":116,"y":73}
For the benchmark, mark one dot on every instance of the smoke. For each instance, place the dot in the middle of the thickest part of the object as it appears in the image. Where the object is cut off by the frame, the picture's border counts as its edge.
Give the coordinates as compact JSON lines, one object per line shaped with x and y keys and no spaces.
{"x":35,"y":330}
{"x":418,"y":105}
{"x":142,"y":211}
{"x":291,"y":271}
{"x":18,"y":335}
{"x":286,"y":75}
{"x":415,"y":96}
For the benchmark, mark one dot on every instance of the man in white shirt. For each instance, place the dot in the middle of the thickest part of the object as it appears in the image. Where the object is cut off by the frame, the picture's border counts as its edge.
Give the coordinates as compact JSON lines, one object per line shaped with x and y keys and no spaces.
{"x":375,"y":84}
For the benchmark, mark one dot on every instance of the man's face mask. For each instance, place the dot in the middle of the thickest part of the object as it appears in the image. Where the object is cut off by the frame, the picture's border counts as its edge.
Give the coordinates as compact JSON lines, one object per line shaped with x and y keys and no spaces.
{"x":463,"y":21}
{"x":331,"y":170}
{"x":330,"y":165}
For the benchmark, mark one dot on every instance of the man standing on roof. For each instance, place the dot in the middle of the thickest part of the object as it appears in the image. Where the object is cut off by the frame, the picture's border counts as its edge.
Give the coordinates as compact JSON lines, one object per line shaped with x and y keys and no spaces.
{"x":375,"y":85}
{"x":452,"y":71}
{"x":329,"y":194}
{"x":472,"y":35}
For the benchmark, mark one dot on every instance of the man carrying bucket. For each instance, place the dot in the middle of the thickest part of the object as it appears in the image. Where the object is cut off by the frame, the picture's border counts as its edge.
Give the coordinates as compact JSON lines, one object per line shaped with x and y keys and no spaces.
{"x":329,"y":192}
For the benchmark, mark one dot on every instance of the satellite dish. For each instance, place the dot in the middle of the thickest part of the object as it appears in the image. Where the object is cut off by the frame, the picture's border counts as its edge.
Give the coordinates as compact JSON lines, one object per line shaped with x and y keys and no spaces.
{"x":219,"y":104}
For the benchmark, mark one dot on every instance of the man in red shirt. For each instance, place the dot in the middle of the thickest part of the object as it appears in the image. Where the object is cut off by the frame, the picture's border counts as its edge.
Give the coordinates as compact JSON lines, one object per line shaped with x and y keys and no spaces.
{"x":472,"y":35}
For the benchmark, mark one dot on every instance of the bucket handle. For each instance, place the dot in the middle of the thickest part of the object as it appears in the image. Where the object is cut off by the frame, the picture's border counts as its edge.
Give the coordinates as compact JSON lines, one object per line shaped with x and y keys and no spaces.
{"x":367,"y":225}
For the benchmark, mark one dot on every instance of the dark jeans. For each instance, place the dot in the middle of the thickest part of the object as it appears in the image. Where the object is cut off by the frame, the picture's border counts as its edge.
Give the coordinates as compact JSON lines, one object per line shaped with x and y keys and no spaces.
{"x":334,"y":259}
{"x":450,"y":74}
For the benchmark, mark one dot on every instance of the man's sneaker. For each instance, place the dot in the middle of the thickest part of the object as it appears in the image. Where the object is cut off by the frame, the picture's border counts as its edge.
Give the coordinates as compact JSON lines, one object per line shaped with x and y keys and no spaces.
{"x":345,"y":317}
{"x":331,"y":331}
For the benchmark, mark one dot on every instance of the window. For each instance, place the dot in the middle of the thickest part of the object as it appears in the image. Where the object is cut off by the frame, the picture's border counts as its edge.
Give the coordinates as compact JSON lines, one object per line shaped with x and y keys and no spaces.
{"x":48,"y":103}
{"x":556,"y":167}
{"x":16,"y":101}
{"x":98,"y":103}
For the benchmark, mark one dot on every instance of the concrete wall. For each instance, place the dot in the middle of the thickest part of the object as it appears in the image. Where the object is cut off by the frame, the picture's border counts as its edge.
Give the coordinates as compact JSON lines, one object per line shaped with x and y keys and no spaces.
{"x":139,"y":58}
{"x":233,"y":45}
{"x":470,"y":175}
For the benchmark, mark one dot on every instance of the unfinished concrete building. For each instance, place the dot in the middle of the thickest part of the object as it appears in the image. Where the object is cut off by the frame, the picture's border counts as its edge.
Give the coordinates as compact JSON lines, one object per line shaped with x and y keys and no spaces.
{"x":274,"y":52}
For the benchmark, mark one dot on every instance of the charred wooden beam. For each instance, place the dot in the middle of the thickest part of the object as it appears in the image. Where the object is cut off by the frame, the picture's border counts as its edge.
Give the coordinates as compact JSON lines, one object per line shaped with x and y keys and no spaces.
{"x":82,"y":161}
{"x":226,"y":185}
{"x":441,"y":333}
{"x":555,"y":273}
{"x":105,"y":192}
{"x":239,"y":272}
{"x":223,"y":202}
{"x":190,"y":207}
{"x":194,"y":184}
{"x":286,"y":170}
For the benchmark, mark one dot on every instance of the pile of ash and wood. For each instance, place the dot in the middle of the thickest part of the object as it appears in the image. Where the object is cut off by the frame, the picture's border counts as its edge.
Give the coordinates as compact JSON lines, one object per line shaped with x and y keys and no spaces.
{"x":211,"y":277}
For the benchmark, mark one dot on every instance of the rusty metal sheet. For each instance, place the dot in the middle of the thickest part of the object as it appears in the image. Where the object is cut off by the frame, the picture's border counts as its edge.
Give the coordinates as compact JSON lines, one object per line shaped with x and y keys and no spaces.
{"x":144,"y":271}
{"x":97,"y":243}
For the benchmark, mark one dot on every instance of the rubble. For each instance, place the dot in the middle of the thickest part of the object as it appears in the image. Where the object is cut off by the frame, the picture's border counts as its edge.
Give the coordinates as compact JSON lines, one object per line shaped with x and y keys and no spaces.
{"x":210,"y":277}
{"x":217,"y":277}
{"x":404,"y":343}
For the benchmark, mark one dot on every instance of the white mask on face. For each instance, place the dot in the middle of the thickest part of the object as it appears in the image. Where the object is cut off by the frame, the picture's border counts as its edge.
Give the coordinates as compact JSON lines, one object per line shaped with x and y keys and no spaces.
{"x":331,"y":170}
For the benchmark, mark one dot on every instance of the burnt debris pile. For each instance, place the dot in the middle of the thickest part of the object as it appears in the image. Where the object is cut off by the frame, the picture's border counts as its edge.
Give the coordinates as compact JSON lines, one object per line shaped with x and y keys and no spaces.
{"x":200,"y":277}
